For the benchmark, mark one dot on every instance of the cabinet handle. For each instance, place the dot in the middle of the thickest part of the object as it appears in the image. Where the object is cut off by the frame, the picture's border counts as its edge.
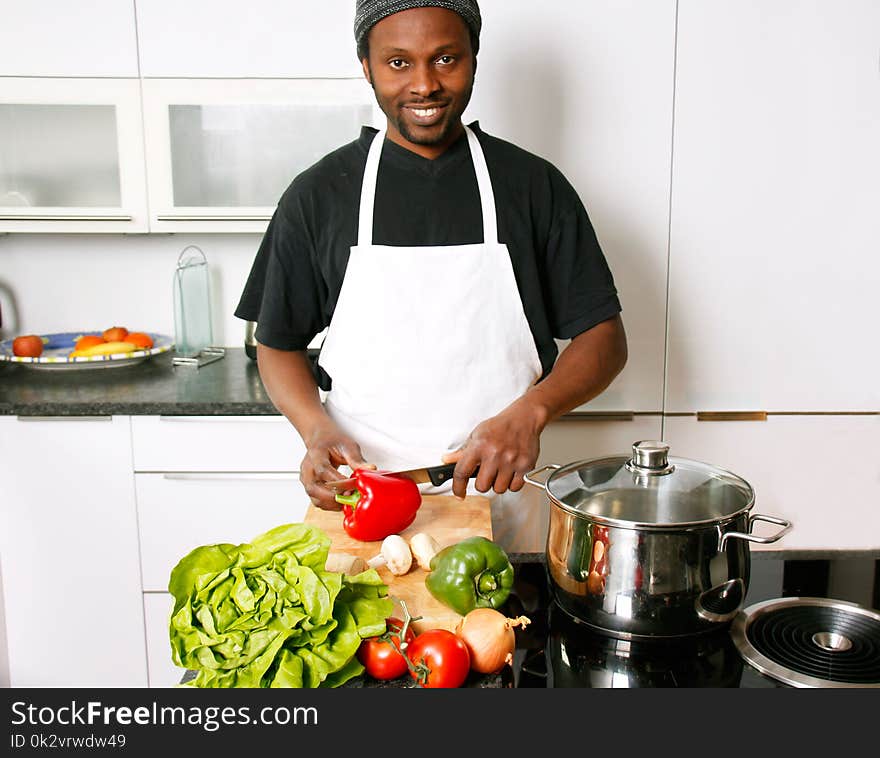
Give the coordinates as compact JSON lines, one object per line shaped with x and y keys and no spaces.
{"x":57,"y":217}
{"x":598,"y":416}
{"x":731,"y":415}
{"x":64,"y":418}
{"x":228,"y":475}
{"x":174,"y":217}
{"x":203,"y":419}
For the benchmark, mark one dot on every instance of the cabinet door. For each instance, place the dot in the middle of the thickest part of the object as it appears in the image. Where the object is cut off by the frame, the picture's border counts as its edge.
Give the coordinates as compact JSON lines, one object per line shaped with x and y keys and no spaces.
{"x":69,"y":547}
{"x":589,"y":86}
{"x":264,"y":38}
{"x":578,"y":439}
{"x":180,"y":512}
{"x":157,"y":620}
{"x":56,"y":38}
{"x":222,"y":152}
{"x":71,"y":156}
{"x":820,"y":472}
{"x":216,"y":443}
{"x":773,"y":258}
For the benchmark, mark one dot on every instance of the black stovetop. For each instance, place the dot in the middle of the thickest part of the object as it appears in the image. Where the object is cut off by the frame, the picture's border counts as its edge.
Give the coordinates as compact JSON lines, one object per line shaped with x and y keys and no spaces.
{"x":556,"y":650}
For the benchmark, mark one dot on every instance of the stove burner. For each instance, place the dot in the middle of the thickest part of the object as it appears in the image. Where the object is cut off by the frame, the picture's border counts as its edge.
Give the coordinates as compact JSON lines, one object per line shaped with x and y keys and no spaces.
{"x":832,"y":641}
{"x":811,"y":642}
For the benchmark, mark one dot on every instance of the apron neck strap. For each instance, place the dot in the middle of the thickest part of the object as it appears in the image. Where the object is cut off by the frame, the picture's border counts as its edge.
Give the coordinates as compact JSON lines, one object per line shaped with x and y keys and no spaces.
{"x":371,"y":172}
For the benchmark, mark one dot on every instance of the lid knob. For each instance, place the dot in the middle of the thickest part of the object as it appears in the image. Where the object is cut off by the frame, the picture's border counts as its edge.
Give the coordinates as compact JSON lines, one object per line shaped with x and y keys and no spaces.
{"x":651,"y":455}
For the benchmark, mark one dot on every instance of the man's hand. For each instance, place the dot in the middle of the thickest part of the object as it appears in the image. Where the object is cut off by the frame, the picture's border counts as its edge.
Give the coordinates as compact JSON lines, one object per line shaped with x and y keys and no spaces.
{"x":505,"y":447}
{"x":328,"y":447}
{"x":290,"y":383}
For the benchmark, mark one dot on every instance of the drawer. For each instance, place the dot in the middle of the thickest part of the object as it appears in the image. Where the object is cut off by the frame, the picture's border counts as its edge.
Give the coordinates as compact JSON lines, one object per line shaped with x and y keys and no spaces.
{"x":157,"y":616}
{"x":178,"y":512}
{"x":215,"y":443}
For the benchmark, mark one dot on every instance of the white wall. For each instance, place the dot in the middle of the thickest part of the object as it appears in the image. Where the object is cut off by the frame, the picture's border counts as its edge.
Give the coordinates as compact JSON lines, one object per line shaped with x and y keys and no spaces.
{"x":60,"y":283}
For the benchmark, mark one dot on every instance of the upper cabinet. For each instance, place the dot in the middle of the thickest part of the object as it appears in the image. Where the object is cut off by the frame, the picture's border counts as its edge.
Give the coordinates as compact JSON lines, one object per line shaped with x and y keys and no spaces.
{"x":260,"y":38}
{"x":71,"y":155}
{"x":775,"y":208}
{"x":60,"y":38}
{"x":222,"y":152}
{"x":589,"y":86}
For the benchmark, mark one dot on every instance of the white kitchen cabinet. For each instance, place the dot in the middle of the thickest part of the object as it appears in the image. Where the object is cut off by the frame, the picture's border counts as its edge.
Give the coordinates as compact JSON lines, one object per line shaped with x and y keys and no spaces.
{"x":69,"y":549}
{"x":157,"y":615}
{"x":582,"y":438}
{"x":589,"y":86}
{"x":180,"y":512}
{"x":71,"y":156}
{"x":60,"y":38}
{"x":215,"y":444}
{"x":204,"y":480}
{"x":820,"y":472}
{"x":222,"y":152}
{"x":261,"y":39}
{"x":773,"y":245}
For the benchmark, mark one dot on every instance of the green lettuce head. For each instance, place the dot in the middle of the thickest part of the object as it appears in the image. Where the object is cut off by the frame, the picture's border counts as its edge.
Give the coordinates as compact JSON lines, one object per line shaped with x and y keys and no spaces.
{"x":267,"y":614}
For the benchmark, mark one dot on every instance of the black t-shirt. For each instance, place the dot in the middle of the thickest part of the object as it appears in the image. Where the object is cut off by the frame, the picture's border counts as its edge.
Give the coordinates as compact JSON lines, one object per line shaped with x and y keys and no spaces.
{"x":564,"y":281}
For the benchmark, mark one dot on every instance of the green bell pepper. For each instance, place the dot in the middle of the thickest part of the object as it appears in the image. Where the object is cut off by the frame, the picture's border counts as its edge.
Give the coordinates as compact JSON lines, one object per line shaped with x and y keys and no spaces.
{"x":473,"y":573}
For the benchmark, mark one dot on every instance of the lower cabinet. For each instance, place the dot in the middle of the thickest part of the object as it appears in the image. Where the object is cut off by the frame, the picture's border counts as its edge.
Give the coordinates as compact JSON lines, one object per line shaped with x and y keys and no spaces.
{"x":157,"y":616}
{"x":821,"y":472}
{"x":202,"y":481}
{"x":69,"y":553}
{"x":179,"y":512}
{"x":576,"y":438}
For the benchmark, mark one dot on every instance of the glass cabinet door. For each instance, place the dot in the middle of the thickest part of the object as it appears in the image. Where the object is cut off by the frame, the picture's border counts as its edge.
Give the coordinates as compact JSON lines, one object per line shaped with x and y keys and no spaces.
{"x":222,"y":152}
{"x":71,"y":156}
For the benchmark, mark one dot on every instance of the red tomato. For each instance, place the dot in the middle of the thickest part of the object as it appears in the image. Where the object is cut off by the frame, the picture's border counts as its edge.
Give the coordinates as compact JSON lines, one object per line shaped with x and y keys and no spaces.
{"x":441,"y":659}
{"x":28,"y":346}
{"x":378,"y":656}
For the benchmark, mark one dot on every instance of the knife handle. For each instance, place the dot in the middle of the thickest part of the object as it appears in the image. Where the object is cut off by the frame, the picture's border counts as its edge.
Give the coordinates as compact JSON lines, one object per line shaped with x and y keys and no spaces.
{"x":441,"y":474}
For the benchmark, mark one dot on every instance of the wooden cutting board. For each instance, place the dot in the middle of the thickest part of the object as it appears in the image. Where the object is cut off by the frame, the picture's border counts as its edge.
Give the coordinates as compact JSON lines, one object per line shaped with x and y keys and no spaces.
{"x":447,"y":519}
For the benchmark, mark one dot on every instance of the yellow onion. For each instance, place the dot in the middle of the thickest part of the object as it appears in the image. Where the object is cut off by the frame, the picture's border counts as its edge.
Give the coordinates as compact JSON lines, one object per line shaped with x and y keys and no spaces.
{"x":489,"y":637}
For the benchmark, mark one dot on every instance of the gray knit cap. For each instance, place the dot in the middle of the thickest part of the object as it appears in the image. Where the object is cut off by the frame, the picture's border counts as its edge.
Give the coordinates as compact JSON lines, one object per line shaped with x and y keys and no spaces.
{"x":369,"y":12}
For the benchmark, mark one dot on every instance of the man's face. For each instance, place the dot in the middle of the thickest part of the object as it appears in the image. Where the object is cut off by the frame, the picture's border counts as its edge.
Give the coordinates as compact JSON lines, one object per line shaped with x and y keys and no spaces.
{"x":421,"y":68}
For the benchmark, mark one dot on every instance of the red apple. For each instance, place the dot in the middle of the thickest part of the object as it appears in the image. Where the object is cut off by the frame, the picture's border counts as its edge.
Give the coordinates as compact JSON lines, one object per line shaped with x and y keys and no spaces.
{"x":28,"y":346}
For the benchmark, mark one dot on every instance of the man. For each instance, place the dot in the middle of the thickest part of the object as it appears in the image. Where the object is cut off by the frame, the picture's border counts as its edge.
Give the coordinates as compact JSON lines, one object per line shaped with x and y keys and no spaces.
{"x":444,"y":262}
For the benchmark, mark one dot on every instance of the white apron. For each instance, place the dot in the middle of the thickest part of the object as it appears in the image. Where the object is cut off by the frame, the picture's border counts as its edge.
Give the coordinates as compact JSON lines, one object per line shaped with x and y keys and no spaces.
{"x":427,"y":342}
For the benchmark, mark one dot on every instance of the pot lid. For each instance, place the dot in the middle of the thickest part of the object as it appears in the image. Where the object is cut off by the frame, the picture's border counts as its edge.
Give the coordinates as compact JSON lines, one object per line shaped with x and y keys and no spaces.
{"x":650,"y":488}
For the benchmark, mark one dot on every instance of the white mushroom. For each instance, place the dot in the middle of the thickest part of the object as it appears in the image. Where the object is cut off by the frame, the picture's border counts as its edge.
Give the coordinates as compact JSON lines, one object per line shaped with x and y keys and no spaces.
{"x":423,"y":547}
{"x":395,"y":555}
{"x":345,"y":563}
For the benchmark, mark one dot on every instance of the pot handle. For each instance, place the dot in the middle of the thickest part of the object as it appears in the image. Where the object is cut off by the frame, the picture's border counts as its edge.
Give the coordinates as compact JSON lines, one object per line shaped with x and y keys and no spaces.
{"x":534,"y":482}
{"x":786,"y":528}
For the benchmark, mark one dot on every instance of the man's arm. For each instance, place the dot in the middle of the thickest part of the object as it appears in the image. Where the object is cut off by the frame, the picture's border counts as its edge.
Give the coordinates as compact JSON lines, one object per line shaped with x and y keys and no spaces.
{"x":506,"y":446}
{"x":291,"y":386}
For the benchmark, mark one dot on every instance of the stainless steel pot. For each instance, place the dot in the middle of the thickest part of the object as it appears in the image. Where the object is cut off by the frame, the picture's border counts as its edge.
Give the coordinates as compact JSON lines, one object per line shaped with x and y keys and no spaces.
{"x":652,"y":545}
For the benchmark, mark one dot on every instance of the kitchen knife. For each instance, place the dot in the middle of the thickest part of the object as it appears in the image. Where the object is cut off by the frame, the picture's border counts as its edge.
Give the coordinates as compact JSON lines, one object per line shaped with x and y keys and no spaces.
{"x":435,"y":475}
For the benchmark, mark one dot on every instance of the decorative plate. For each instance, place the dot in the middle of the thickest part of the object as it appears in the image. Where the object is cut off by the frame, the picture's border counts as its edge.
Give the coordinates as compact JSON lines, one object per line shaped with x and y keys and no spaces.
{"x":57,"y":348}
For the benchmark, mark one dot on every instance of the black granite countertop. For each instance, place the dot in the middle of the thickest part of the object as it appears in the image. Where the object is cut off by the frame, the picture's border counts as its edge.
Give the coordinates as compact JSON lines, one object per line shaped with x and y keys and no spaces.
{"x":228,"y":387}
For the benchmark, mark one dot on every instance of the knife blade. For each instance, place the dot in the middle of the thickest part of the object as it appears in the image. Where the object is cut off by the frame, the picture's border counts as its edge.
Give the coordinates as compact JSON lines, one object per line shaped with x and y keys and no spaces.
{"x":435,"y":475}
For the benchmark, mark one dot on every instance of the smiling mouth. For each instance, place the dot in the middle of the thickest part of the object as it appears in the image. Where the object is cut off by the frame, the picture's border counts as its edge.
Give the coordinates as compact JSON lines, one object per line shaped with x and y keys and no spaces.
{"x":425,"y":115}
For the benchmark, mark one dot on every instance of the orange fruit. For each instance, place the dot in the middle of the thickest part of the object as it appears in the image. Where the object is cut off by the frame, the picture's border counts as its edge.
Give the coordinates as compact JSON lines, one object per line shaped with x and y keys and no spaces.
{"x":141,"y":339}
{"x":88,"y":340}
{"x":115,"y":334}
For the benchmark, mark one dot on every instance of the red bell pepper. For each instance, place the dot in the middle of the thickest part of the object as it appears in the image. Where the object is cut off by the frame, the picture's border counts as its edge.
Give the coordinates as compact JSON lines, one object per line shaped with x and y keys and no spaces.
{"x":383,"y":504}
